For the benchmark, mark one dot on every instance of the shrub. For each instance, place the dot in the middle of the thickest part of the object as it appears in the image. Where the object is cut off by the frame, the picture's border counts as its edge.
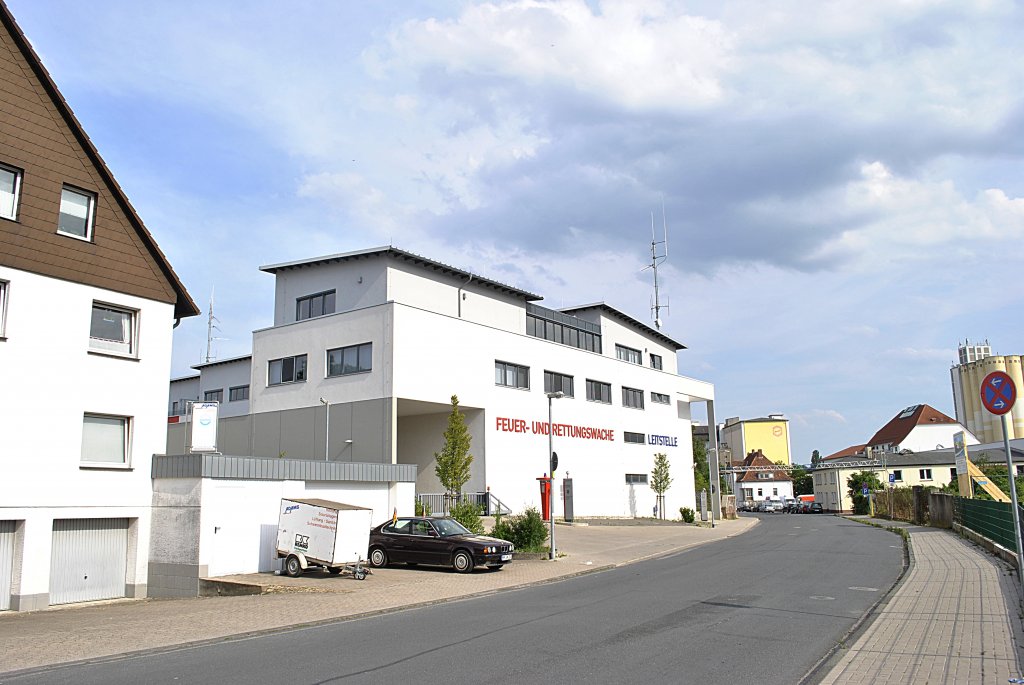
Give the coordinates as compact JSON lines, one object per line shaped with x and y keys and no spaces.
{"x":527,"y":531}
{"x":422,"y":508}
{"x":468,"y":514}
{"x":687,"y":514}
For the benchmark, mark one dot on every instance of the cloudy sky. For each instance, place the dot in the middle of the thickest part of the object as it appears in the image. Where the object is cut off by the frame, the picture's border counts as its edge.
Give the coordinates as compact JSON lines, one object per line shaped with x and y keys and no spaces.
{"x":841,"y":180}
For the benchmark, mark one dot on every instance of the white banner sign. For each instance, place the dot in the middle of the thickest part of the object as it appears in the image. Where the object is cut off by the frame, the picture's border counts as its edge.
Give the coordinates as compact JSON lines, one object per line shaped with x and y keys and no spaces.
{"x":960,"y":452}
{"x":204,"y":426}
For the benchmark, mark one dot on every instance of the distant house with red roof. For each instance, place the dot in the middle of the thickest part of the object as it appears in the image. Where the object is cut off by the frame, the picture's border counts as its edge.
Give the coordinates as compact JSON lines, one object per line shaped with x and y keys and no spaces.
{"x":763,"y":479}
{"x":917,"y":428}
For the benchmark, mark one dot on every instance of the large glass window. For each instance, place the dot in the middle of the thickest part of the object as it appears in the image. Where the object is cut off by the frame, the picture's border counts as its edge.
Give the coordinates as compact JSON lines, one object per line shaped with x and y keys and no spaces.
{"x":77,"y":210}
{"x":353,"y":359}
{"x":599,"y":392}
{"x":631,"y":397}
{"x":655,"y":361}
{"x":627,"y":354}
{"x":10,"y":189}
{"x":214,"y":395}
{"x":558,"y":382}
{"x":112,"y":329}
{"x":565,"y":329}
{"x":238,"y":393}
{"x":314,"y":305}
{"x":287,"y":370}
{"x":105,"y":439}
{"x":511,"y":375}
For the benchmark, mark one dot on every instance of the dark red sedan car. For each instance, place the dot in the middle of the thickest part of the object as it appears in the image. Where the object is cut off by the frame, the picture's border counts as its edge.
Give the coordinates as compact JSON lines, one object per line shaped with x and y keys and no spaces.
{"x":435,"y":540}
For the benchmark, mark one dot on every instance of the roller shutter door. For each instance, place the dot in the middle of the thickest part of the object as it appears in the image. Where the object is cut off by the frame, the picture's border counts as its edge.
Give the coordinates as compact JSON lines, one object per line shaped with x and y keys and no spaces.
{"x":6,"y":563}
{"x":88,"y":560}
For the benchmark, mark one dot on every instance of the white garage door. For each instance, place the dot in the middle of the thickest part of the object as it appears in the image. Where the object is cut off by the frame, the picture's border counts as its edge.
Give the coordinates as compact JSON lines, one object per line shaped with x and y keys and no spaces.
{"x":6,"y":562}
{"x":89,"y":559}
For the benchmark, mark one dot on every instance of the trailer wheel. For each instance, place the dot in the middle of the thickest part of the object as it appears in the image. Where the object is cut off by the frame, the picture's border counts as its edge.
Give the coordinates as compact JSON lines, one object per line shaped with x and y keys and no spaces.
{"x":334,"y":570}
{"x":462,"y":562}
{"x":292,"y":566}
{"x":360,"y":574}
{"x":378,"y":557}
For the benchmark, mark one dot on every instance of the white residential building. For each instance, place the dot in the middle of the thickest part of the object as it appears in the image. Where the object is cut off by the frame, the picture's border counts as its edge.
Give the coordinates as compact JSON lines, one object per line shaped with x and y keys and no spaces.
{"x":87,"y":305}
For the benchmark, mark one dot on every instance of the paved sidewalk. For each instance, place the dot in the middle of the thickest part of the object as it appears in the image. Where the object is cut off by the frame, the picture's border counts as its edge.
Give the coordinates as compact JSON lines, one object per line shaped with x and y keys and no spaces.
{"x":99,"y":630}
{"x":954,"y":618}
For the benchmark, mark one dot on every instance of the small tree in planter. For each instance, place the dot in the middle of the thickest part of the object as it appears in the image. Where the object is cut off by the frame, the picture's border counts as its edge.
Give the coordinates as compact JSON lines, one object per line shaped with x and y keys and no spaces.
{"x":454,"y":460}
{"x":661,"y":480}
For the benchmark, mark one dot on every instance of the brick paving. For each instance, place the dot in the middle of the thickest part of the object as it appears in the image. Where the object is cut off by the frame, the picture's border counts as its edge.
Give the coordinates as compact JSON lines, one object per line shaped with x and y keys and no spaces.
{"x":106,"y":629}
{"x":955,"y":618}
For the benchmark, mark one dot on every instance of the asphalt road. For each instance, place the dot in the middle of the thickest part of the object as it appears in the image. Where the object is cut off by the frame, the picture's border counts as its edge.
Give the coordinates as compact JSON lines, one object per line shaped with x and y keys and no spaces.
{"x":759,"y":608}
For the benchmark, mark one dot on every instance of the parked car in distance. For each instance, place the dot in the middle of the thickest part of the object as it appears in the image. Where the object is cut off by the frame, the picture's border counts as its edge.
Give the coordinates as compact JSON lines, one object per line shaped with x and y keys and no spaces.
{"x":815,"y":508}
{"x":441,"y":541}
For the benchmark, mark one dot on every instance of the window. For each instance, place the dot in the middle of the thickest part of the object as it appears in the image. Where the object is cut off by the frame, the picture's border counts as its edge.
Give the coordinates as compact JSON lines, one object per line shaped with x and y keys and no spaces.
{"x":637,"y":478}
{"x":558,"y":382}
{"x":314,"y":305}
{"x":10,"y":189}
{"x":764,"y":476}
{"x":4,"y":285}
{"x":924,"y":474}
{"x":214,"y":395}
{"x":655,"y":361}
{"x":105,"y":439}
{"x":112,"y":329}
{"x":631,"y":397}
{"x":288,"y":370}
{"x":239,"y":393}
{"x":634,"y":438}
{"x":627,"y":354}
{"x":353,"y":359}
{"x":897,"y":475}
{"x":952,"y":473}
{"x":759,"y":492}
{"x":511,"y":375}
{"x":775,"y":491}
{"x":1020,"y":469}
{"x":565,"y":329}
{"x":599,"y":392}
{"x":77,"y":210}
{"x":659,"y":398}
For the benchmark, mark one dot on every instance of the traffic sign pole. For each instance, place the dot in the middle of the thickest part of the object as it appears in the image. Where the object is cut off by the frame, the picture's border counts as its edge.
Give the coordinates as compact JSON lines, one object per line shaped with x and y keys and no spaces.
{"x":998,"y":394}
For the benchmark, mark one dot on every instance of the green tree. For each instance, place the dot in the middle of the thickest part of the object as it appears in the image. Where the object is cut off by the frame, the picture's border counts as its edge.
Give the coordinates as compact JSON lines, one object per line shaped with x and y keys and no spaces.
{"x":803,"y":481}
{"x":815,"y":458}
{"x":454,"y":459}
{"x":701,"y":477}
{"x":661,"y":480}
{"x":855,"y":483}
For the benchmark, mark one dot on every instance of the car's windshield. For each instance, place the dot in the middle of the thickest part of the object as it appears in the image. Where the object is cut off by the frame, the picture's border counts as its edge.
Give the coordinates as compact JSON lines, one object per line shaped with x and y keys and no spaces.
{"x":448,"y":527}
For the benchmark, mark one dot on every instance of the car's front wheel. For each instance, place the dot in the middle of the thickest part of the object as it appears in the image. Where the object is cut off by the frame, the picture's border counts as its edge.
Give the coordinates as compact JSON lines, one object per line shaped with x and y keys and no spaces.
{"x":462,"y":561}
{"x":378,"y":557}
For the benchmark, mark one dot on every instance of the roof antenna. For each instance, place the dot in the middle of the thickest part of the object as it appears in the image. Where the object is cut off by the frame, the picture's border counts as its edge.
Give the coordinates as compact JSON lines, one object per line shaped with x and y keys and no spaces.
{"x":656,"y":259}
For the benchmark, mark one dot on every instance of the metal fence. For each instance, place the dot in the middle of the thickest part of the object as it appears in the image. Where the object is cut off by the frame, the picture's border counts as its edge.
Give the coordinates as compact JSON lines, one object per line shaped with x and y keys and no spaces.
{"x":993,"y":520}
{"x":487,"y":503}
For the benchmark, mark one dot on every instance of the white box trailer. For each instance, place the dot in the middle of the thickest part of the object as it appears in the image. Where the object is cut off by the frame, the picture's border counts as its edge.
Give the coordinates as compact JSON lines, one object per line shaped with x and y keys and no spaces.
{"x":319,"y":532}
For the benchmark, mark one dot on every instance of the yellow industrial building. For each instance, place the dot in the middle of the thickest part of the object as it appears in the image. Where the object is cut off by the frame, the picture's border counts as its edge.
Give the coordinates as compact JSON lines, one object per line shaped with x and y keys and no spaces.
{"x":975,"y":362}
{"x":770,"y":435}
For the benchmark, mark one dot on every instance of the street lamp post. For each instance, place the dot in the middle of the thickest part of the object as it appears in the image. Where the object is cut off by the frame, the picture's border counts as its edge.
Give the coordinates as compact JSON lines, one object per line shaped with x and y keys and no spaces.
{"x":327,"y":431}
{"x":551,"y":473}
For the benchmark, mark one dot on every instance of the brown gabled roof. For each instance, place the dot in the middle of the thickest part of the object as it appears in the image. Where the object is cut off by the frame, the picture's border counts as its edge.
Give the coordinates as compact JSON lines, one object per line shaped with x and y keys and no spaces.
{"x":897,"y":430}
{"x":851,"y":451}
{"x":757,"y":458}
{"x":184,"y":306}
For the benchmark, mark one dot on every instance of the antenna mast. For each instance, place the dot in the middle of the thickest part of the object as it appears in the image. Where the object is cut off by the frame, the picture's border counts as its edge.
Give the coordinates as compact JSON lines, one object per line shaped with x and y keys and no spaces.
{"x":656,"y":259}
{"x":210,"y":328}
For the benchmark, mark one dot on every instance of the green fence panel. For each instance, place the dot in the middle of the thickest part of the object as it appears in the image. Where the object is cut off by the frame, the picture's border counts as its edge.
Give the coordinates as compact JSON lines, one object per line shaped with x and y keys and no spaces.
{"x":994,"y":520}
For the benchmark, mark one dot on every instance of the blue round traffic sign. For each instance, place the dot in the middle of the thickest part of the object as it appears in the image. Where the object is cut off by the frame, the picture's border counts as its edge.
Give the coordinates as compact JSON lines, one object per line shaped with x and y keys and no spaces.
{"x":998,"y":393}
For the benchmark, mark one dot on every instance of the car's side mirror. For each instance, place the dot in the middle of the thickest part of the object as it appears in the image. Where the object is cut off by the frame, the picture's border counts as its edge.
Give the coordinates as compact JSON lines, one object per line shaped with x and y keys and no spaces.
{"x":433,"y":533}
